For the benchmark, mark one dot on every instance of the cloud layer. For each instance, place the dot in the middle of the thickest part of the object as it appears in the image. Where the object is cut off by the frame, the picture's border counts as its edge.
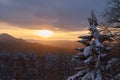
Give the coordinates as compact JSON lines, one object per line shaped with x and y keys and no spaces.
{"x":55,"y":14}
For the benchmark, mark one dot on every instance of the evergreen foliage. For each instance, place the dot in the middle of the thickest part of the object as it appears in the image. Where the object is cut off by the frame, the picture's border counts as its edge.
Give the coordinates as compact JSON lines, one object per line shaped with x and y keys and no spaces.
{"x":92,"y":57}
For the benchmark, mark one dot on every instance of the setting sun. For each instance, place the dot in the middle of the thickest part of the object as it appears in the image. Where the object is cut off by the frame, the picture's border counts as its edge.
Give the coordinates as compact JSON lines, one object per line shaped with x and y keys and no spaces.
{"x":45,"y":33}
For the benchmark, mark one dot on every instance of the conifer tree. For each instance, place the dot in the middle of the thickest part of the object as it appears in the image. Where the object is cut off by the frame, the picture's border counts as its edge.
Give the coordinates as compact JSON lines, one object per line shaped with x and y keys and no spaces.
{"x":92,"y":56}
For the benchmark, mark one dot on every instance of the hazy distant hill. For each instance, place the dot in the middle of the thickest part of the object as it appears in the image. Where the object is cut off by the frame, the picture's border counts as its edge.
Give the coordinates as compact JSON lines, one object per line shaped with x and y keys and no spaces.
{"x":12,"y":44}
{"x":59,"y":43}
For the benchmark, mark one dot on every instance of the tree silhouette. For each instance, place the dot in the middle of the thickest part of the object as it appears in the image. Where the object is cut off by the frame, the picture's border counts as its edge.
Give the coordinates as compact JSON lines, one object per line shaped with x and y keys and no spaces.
{"x":93,"y":55}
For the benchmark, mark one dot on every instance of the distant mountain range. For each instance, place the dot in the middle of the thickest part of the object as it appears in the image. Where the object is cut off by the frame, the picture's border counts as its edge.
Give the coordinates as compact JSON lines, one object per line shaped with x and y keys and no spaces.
{"x":12,"y":44}
{"x":59,"y":43}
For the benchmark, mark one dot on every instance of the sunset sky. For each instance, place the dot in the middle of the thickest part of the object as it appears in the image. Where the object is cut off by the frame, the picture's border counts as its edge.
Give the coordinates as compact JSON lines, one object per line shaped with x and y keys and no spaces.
{"x":67,"y":19}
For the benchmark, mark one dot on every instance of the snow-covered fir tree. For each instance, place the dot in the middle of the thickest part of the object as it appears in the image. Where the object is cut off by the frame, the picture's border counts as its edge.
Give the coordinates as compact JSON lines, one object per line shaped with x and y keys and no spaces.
{"x":92,"y":57}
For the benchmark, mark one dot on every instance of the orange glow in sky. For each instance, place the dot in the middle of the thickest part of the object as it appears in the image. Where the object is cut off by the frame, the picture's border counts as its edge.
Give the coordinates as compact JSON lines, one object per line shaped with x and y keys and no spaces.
{"x":43,"y":34}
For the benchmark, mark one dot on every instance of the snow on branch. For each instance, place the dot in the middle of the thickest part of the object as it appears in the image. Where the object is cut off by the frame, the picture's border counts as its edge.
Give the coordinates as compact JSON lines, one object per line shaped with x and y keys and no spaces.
{"x":93,"y":54}
{"x":79,"y":74}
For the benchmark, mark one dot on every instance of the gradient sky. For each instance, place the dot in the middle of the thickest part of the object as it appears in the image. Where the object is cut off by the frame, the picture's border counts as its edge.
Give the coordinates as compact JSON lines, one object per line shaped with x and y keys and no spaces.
{"x":22,"y":18}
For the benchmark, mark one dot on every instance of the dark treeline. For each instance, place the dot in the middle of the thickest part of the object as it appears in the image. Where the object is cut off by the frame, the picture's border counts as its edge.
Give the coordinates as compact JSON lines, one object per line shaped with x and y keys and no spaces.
{"x":19,"y":66}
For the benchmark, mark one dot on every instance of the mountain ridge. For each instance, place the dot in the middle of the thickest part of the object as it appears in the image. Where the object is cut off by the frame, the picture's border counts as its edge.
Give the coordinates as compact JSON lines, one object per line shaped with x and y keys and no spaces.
{"x":12,"y":44}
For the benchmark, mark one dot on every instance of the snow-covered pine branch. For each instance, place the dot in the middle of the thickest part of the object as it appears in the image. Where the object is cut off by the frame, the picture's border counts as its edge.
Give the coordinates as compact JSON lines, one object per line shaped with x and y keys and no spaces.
{"x":93,"y":54}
